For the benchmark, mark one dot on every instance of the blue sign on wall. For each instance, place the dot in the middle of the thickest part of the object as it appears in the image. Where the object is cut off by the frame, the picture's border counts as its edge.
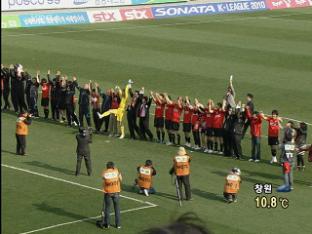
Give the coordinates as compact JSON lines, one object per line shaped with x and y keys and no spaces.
{"x":36,"y":20}
{"x":209,"y":8}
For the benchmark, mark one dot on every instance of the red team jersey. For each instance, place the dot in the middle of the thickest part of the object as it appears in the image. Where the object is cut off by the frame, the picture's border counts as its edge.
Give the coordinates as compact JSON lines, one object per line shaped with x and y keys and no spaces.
{"x":168,"y":111}
{"x":187,"y":115}
{"x":45,"y":90}
{"x":176,"y":113}
{"x":218,"y":118}
{"x":255,"y":124}
{"x":209,"y":119}
{"x":195,"y":120}
{"x":273,"y":127}
{"x":159,"y":110}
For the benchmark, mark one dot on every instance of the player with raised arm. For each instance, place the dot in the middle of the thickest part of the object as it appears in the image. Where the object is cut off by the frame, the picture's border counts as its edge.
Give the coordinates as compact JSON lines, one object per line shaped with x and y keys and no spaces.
{"x":159,"y":121}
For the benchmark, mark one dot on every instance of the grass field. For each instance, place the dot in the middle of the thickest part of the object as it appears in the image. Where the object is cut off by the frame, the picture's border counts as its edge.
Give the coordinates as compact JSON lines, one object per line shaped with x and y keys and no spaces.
{"x":270,"y":55}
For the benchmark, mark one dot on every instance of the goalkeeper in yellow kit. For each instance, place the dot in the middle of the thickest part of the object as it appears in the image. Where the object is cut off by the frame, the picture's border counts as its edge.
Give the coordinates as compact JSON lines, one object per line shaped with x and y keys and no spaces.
{"x":120,"y":111}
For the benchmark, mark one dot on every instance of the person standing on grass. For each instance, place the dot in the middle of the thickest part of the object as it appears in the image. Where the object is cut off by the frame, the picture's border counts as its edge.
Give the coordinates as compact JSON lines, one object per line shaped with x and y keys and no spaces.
{"x":301,"y":140}
{"x":168,"y":122}
{"x":95,"y":103}
{"x":228,"y":126}
{"x":132,"y":113}
{"x":255,"y":119}
{"x":159,"y":121}
{"x":23,"y":120}
{"x":33,"y":96}
{"x":238,"y":127}
{"x":18,"y":77}
{"x":230,"y":95}
{"x":187,"y":121}
{"x":70,"y":102}
{"x":111,"y":187}
{"x":84,"y":103}
{"x":106,"y":105}
{"x":232,"y":185}
{"x":218,"y":114}
{"x":145,"y":178}
{"x":250,"y":105}
{"x":181,"y":168}
{"x":274,"y":126}
{"x":196,"y":111}
{"x":55,"y":84}
{"x":144,"y":107}
{"x":84,"y":138}
{"x":45,"y":96}
{"x":5,"y":87}
{"x":209,"y":126}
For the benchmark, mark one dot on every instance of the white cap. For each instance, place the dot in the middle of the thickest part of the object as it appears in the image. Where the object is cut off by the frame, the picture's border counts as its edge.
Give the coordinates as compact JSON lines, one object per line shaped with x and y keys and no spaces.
{"x":130,"y":81}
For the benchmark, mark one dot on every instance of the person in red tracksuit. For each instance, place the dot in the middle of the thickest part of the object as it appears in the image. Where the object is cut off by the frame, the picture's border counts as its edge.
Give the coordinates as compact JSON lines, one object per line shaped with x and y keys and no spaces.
{"x":255,"y":130}
{"x":187,"y":121}
{"x":209,"y":126}
{"x":168,"y":116}
{"x":219,"y":114}
{"x":159,"y":116}
{"x":45,"y":96}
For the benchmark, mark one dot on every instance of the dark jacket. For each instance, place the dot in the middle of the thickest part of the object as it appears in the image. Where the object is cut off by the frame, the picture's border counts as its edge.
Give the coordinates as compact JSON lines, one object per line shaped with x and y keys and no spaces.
{"x":83,"y":144}
{"x":238,"y":122}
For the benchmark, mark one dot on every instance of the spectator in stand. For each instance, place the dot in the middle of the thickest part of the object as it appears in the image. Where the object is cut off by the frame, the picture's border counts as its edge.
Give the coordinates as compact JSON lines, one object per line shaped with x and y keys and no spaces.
{"x":274,"y":126}
{"x":250,"y":105}
{"x":255,"y":131}
{"x":159,"y":121}
{"x":45,"y":96}
{"x":5,"y":87}
{"x":84,"y":103}
{"x":187,"y":121}
{"x":95,"y":103}
{"x":301,"y":140}
{"x":218,"y":114}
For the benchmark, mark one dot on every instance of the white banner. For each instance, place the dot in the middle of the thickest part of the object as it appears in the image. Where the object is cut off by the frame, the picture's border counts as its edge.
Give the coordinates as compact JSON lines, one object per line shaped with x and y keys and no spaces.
{"x":20,"y":5}
{"x":102,"y":16}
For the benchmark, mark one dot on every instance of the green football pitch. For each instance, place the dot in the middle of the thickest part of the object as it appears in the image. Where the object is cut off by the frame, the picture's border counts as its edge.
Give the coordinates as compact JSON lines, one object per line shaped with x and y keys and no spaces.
{"x":269,"y":54}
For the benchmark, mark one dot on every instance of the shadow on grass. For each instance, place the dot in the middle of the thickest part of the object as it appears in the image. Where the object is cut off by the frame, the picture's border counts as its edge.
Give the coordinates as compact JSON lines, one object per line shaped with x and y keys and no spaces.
{"x":50,"y":167}
{"x":208,"y":195}
{"x":61,"y":212}
{"x":9,"y":152}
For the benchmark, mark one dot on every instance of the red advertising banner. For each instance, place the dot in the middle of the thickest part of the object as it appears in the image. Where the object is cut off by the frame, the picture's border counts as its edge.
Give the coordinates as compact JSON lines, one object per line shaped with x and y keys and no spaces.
{"x":136,"y":13}
{"x":280,"y":4}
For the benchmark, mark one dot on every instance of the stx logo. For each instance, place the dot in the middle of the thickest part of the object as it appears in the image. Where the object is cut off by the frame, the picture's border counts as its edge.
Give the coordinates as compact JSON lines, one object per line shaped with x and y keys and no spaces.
{"x":105,"y":16}
{"x":136,"y":14}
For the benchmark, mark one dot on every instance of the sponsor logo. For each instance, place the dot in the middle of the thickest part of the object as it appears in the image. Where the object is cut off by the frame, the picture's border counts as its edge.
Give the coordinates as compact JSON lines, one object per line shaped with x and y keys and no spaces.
{"x":10,"y":21}
{"x":209,"y":8}
{"x":136,"y":14}
{"x":80,"y":2}
{"x":36,"y":20}
{"x":280,"y":4}
{"x":104,"y":16}
{"x":112,"y":2}
{"x":31,"y":3}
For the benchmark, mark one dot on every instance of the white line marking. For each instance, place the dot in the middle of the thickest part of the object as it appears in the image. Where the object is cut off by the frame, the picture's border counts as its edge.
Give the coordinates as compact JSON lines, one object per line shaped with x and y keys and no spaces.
{"x":146,"y":26}
{"x":85,"y":219}
{"x":73,"y":183}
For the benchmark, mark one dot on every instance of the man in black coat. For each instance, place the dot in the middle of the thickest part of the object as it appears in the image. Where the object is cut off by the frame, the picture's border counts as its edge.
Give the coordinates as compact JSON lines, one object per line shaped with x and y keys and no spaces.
{"x":5,"y":86}
{"x":84,"y":138}
{"x":18,"y":77}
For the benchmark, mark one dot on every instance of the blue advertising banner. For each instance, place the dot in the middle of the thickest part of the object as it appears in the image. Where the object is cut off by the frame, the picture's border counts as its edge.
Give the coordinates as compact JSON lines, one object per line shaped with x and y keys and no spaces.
{"x":209,"y":8}
{"x":37,"y":20}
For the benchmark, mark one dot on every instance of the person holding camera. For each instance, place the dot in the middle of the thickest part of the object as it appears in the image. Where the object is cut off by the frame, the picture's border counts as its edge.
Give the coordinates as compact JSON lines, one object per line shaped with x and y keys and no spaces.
{"x":23,"y":120}
{"x":84,"y":138}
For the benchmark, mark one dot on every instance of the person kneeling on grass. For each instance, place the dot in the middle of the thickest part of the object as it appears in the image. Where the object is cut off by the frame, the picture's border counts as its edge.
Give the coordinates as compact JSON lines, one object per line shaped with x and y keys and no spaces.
{"x":144,"y":181}
{"x":232,"y":185}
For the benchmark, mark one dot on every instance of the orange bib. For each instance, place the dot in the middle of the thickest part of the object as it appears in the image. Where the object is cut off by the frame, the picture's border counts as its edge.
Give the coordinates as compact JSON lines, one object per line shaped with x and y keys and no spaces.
{"x":111,"y":182}
{"x":21,"y":127}
{"x":182,"y":165}
{"x":232,"y":183}
{"x":145,"y":177}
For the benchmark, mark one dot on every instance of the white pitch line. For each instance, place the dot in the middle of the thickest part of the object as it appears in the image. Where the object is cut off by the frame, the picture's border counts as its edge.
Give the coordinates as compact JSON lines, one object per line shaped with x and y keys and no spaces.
{"x":146,"y":26}
{"x":73,"y":183}
{"x":85,"y":219}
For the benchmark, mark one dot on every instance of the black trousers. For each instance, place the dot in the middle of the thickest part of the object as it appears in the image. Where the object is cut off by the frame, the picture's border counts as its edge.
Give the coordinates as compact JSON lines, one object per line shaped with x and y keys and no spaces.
{"x":6,"y":94}
{"x":14,"y":99}
{"x":108,"y":197}
{"x":196,"y":137}
{"x":300,"y":160}
{"x":97,"y":121}
{"x":247,"y":124}
{"x":87,"y":159}
{"x":33,"y":106}
{"x":20,"y":144}
{"x":237,"y":146}
{"x":144,"y":128}
{"x":84,"y":112}
{"x":54,"y":109}
{"x":133,"y":127}
{"x":228,"y":143}
{"x":185,"y":181}
{"x":71,"y":115}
